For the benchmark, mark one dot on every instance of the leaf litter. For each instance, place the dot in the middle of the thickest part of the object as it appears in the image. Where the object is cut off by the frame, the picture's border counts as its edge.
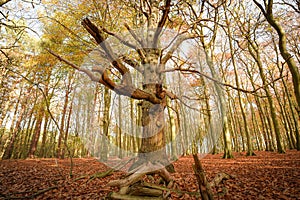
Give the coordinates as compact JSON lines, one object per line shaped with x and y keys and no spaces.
{"x":268,"y":175}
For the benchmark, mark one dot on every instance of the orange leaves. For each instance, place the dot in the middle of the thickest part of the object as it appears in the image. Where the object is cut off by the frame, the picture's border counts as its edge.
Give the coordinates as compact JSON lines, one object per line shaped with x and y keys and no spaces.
{"x":265,"y":176}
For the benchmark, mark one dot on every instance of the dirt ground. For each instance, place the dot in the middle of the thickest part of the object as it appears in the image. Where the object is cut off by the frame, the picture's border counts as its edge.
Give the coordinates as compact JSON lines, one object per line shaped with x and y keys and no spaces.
{"x":267,"y":175}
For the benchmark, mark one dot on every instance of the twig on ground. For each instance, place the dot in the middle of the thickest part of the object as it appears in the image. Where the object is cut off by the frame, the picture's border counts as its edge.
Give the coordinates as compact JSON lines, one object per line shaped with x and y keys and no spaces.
{"x":39,"y":192}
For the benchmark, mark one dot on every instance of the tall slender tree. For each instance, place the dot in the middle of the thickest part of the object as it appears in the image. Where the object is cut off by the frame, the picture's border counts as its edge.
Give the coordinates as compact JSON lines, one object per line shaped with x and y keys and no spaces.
{"x":268,"y":12}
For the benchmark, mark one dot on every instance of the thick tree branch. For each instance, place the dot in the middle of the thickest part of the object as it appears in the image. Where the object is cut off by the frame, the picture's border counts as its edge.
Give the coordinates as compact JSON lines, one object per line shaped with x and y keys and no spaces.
{"x":94,"y":31}
{"x":122,"y":89}
{"x":260,"y":7}
{"x":139,"y":50}
{"x":134,"y":35}
{"x":175,"y":46}
{"x":100,"y":39}
{"x":2,"y":2}
{"x":162,"y":22}
{"x":132,"y":63}
{"x":126,"y":43}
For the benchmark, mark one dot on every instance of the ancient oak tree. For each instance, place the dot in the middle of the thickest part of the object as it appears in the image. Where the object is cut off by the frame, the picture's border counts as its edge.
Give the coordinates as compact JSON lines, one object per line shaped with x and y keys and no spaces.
{"x":148,"y":59}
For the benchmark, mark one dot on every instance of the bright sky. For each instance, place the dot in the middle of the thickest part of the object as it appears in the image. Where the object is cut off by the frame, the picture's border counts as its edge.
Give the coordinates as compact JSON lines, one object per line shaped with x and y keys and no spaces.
{"x":24,"y":13}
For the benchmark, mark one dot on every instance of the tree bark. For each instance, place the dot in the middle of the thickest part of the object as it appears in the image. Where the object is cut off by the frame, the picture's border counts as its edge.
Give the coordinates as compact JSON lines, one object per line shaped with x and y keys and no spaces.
{"x":104,"y":151}
{"x":153,"y":137}
{"x":221,"y":96}
{"x":37,"y":131}
{"x":294,"y":69}
{"x":254,"y":51}
{"x":204,"y":186}
{"x":10,"y":143}
{"x":249,"y":141}
{"x":61,"y":138}
{"x":172,"y":125}
{"x":209,"y":56}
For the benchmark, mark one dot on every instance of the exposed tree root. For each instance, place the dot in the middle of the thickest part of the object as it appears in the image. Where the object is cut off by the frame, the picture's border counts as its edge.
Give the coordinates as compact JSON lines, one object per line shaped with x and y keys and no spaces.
{"x":115,"y":195}
{"x":204,"y":185}
{"x":101,"y":174}
{"x":105,"y":173}
{"x":163,"y":191}
{"x":219,"y":178}
{"x":96,"y":175}
{"x":133,"y":185}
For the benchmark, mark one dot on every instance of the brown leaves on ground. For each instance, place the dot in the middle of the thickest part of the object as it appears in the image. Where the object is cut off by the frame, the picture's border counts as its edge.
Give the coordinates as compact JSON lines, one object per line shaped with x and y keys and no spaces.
{"x":266,"y":176}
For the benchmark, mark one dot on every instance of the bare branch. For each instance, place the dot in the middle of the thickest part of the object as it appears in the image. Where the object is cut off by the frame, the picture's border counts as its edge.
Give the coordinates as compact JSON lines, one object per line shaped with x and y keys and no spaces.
{"x":139,"y":50}
{"x":100,"y":39}
{"x":142,"y":10}
{"x":5,"y":54}
{"x":175,"y":46}
{"x":269,"y":7}
{"x":93,"y":30}
{"x":162,"y":22}
{"x":293,"y":6}
{"x":119,"y":38}
{"x":221,"y":83}
{"x":88,"y":72}
{"x":173,"y":40}
{"x":173,"y":96}
{"x":67,"y":29}
{"x":192,"y":9}
{"x":134,"y":35}
{"x":260,"y":7}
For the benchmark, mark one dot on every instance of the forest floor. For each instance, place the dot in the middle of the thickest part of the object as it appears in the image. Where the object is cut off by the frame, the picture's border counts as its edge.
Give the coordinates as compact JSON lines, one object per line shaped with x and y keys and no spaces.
{"x":267,"y":175}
